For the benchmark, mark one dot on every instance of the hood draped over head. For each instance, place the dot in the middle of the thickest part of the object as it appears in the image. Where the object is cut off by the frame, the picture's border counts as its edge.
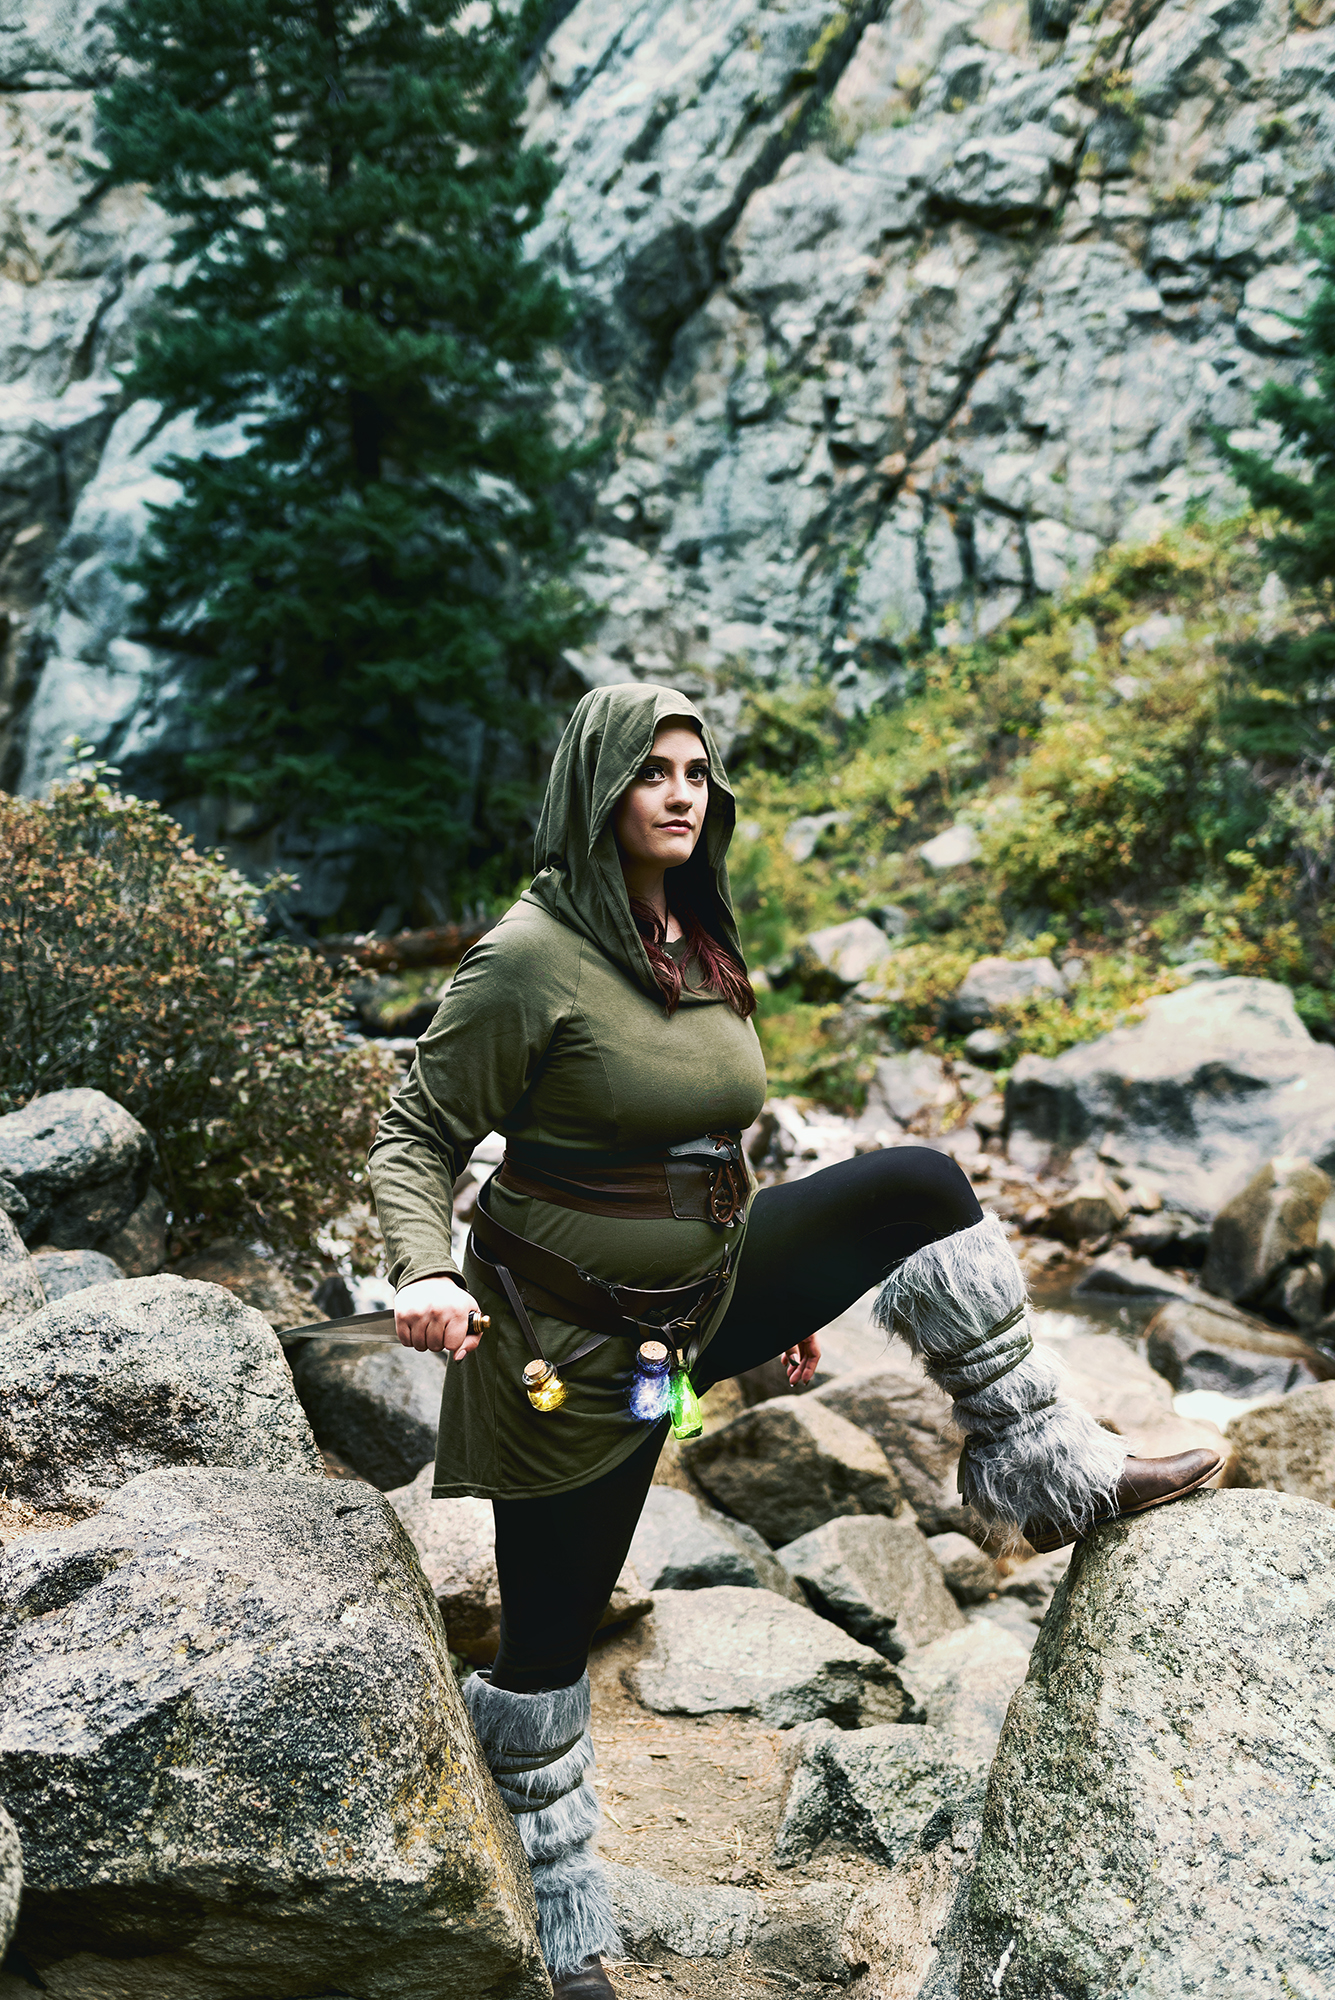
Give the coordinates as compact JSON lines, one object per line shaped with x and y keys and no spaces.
{"x":579,"y":878}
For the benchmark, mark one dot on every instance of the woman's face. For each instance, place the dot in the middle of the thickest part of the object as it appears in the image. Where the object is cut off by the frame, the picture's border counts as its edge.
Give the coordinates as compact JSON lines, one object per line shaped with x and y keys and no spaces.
{"x":662,"y":813}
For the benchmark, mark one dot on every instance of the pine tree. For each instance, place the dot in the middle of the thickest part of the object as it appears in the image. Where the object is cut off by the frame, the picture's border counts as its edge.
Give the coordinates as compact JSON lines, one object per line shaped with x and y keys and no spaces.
{"x":377,"y":575}
{"x":1287,"y":710}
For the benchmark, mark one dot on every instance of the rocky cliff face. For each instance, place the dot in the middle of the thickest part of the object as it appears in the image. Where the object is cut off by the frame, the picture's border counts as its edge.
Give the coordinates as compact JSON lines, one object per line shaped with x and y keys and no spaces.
{"x":901,"y":311}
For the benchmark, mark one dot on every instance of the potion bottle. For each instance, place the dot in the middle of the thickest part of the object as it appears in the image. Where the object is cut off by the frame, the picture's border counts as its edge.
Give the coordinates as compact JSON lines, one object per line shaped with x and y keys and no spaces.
{"x":544,"y":1387}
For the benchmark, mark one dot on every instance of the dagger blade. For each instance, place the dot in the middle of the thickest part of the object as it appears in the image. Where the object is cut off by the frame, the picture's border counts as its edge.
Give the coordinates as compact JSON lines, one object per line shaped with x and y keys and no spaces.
{"x":356,"y":1327}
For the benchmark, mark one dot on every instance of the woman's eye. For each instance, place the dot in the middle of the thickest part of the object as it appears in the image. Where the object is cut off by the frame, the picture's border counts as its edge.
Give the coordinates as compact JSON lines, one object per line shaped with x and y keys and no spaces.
{"x":648,"y":772}
{"x":699,"y":774}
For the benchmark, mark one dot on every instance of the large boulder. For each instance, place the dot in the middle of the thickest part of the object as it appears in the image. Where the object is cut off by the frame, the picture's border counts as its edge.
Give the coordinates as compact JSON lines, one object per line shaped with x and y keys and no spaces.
{"x":1161,"y":1809}
{"x":1193,"y":1348}
{"x":971,"y":1574}
{"x":21,"y":1292}
{"x":1289,"y":1446}
{"x":122,"y":1378}
{"x":455,"y":1542}
{"x":11,"y":1879}
{"x":871,"y":1789}
{"x":688,"y":1919}
{"x":909,"y":1417}
{"x":831,"y":961}
{"x":963,"y":1683}
{"x":791,"y":1464}
{"x":680,"y":1544}
{"x":906,"y":1085}
{"x":751,"y":1652}
{"x":257,"y":1281}
{"x":139,"y":1246}
{"x":876,"y":1578}
{"x":238,"y":1759}
{"x":66,"y":1271}
{"x":81,"y":1164}
{"x":1272,"y":1224}
{"x":993,"y":984}
{"x":1194,"y":1098}
{"x":904,"y":1933}
{"x":375,"y":1404}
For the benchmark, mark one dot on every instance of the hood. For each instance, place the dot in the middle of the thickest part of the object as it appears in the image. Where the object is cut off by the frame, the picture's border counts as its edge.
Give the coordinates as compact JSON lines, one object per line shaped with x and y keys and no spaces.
{"x":579,"y":878}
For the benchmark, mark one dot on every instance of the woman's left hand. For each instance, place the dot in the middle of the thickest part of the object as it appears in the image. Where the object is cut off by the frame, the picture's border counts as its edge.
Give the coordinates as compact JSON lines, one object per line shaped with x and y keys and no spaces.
{"x":801,"y":1361}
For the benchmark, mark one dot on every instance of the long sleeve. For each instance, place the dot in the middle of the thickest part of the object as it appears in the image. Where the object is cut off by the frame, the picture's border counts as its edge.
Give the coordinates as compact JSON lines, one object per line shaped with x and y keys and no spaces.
{"x":470,"y":1075}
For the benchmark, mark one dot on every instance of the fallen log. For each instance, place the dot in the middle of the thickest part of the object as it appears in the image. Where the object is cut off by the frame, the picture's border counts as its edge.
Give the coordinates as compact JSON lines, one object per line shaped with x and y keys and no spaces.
{"x":438,"y":944}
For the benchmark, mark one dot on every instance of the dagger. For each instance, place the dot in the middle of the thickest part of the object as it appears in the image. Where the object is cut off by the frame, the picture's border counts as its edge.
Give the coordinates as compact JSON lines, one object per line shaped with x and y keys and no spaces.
{"x":365,"y":1326}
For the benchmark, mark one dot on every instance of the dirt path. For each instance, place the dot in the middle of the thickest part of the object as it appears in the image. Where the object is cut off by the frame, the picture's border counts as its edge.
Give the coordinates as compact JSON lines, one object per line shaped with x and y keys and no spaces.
{"x":696,"y":1799}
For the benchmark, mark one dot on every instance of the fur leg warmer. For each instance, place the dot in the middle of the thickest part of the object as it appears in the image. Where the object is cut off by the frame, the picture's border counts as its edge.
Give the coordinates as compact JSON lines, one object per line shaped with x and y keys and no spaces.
{"x":539,"y":1750}
{"x":1031,"y":1454}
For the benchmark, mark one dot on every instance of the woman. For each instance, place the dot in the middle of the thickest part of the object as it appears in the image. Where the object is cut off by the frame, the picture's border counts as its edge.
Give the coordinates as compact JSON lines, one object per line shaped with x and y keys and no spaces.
{"x":604,"y":1027}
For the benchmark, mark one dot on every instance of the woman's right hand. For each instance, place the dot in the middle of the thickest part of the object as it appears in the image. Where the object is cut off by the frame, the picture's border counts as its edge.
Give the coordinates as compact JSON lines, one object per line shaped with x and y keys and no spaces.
{"x":433,"y":1314}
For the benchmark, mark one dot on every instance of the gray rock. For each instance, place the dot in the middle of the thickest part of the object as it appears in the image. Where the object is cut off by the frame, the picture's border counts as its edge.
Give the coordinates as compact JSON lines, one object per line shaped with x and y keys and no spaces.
{"x":65,"y":1271}
{"x":802,"y":836}
{"x":377,"y":1406}
{"x":680,"y":1544}
{"x":237,"y":1757}
{"x":871,"y":1789}
{"x":258,"y":1281}
{"x":822,"y":323}
{"x":1195,"y":1349}
{"x":1090,"y":1209}
{"x":11,"y":1879}
{"x":1149,"y":1778}
{"x":963,"y":1683}
{"x":790,"y":1464}
{"x":843,"y":955}
{"x":148,"y":1372}
{"x":876,"y":1578}
{"x":905,"y":1932}
{"x":754,"y":1653}
{"x":1271,"y":1224}
{"x":988,"y":1046}
{"x":909,"y":1417}
{"x":688,"y":1919}
{"x":955,"y":848}
{"x":1289,"y":1446}
{"x":21,"y":1292}
{"x":81,"y":1163}
{"x":1214,"y":1081}
{"x":909,"y":1083}
{"x":455,"y":1542}
{"x":996,"y":983}
{"x":970,"y":1573}
{"x":139,"y":1246}
{"x":801,"y":1935}
{"x":1166,"y":1236}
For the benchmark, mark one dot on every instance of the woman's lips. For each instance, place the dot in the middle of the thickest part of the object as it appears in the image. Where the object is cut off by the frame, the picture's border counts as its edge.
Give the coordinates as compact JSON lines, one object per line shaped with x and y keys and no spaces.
{"x":675,"y":825}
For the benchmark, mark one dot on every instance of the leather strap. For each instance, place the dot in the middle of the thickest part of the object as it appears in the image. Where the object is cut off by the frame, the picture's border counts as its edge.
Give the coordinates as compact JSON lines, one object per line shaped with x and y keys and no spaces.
{"x":701,"y":1180}
{"x":565,"y":1291}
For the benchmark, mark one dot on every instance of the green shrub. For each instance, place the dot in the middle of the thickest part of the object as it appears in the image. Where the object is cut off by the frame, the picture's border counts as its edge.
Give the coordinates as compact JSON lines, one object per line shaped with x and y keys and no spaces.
{"x":134,"y":965}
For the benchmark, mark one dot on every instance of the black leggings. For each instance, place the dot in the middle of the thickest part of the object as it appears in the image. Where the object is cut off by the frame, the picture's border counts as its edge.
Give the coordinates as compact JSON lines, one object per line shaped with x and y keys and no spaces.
{"x":812,"y":1247}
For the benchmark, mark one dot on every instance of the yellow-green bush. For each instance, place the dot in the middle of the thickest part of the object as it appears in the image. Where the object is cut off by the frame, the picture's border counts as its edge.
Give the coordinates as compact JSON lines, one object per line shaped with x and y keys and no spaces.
{"x":134,"y":965}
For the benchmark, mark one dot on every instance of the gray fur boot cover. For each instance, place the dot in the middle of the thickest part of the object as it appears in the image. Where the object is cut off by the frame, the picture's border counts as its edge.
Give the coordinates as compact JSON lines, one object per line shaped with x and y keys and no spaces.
{"x":1031,"y":1454}
{"x":539,"y":1751}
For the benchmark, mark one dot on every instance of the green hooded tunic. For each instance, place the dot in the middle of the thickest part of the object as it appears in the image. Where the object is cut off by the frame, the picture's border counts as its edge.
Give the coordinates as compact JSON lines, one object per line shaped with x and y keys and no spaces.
{"x":554,"y":1030}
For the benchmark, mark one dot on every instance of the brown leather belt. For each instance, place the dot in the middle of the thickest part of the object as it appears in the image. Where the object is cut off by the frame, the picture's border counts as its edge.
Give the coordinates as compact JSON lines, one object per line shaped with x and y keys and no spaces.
{"x":703,"y":1180}
{"x":565,"y":1291}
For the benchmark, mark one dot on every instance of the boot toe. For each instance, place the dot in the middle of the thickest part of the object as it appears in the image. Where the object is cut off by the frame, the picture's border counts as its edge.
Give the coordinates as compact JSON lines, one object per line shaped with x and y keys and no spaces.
{"x":1145,"y":1483}
{"x":1149,"y":1482}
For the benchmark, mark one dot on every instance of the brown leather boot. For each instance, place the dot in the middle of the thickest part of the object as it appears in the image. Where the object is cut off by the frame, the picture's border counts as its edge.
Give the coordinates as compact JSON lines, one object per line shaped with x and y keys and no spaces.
{"x":586,"y":1982}
{"x":1145,"y":1483}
